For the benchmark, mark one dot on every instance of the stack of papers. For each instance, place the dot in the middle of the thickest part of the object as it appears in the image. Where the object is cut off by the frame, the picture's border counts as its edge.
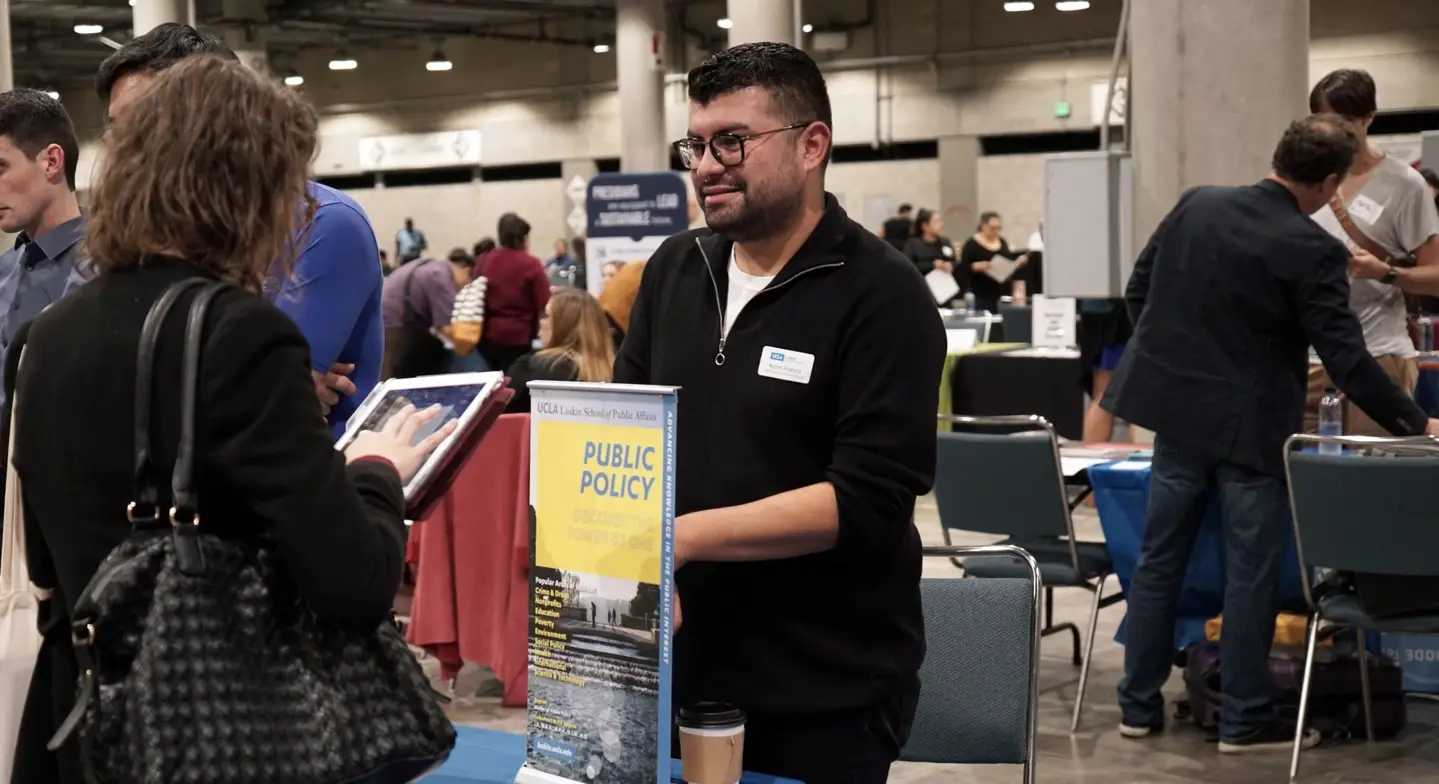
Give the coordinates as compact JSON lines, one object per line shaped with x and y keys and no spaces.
{"x":1001,"y":269}
{"x":942,"y":286}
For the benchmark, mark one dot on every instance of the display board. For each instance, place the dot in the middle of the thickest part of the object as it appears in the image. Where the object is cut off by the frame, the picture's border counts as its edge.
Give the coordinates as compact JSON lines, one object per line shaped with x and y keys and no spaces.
{"x":629,"y":215}
{"x":601,"y":583}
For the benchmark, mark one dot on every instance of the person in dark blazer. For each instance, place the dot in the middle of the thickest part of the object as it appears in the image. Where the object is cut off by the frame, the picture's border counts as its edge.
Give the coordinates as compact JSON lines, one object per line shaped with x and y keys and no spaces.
{"x":1226,"y":298}
{"x":178,"y":200}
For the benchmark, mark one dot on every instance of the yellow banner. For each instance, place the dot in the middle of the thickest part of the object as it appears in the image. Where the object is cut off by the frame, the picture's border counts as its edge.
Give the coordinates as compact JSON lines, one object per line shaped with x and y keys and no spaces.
{"x":599,"y":499}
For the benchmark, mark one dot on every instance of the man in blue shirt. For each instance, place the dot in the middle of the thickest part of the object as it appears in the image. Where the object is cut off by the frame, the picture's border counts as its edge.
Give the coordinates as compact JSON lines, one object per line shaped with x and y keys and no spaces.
{"x":333,"y":294}
{"x":38,"y":156}
{"x":410,"y":243}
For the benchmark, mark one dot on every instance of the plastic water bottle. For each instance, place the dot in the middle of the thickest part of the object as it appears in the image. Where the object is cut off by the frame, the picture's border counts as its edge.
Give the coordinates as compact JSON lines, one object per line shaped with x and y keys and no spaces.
{"x":1331,"y":420}
{"x":969,"y":303}
{"x":1426,"y":334}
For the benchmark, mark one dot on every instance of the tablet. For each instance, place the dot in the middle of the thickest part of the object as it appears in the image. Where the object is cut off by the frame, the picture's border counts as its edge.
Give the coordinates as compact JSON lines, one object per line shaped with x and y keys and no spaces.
{"x":462,"y":395}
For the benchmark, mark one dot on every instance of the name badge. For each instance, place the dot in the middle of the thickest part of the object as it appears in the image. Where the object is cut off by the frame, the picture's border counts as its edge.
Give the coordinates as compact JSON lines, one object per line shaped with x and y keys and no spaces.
{"x":786,"y":365}
{"x":1366,"y":209}
{"x":948,"y":251}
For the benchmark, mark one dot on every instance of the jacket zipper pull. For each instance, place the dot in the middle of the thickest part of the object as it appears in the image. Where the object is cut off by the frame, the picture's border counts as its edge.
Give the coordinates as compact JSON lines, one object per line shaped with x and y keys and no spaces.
{"x":719,"y":358}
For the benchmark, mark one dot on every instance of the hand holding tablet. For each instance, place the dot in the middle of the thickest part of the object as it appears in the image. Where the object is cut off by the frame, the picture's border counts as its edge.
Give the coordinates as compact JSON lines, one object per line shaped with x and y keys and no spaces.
{"x":397,"y":441}
{"x":426,"y":426}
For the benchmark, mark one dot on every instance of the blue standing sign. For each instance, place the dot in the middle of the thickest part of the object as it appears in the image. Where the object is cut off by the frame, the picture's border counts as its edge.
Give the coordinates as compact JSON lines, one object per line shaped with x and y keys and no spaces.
{"x":628,"y":216}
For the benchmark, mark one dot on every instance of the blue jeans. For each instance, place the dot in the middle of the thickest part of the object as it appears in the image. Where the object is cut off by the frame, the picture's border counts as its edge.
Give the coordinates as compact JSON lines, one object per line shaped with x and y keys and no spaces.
{"x":1255,"y":513}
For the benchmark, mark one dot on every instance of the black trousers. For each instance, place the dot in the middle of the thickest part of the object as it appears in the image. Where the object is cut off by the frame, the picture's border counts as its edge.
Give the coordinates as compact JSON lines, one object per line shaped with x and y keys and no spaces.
{"x":499,"y":356}
{"x":852,"y":746}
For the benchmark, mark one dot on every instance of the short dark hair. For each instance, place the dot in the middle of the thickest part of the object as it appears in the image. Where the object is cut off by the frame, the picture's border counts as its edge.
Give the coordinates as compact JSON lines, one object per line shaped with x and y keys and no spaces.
{"x":461,"y":258}
{"x":1314,"y":148}
{"x":33,"y":121}
{"x":484,"y":246}
{"x":790,"y":76}
{"x":155,"y":51}
{"x":987,"y":216}
{"x":1430,"y":177}
{"x":1345,"y":92}
{"x":905,"y":208}
{"x":922,"y":219}
{"x":513,"y":230}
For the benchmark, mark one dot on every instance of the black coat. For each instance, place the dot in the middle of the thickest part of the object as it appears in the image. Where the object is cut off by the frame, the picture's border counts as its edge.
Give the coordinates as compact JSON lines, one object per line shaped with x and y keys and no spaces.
{"x":265,"y":459}
{"x":1227,"y":297}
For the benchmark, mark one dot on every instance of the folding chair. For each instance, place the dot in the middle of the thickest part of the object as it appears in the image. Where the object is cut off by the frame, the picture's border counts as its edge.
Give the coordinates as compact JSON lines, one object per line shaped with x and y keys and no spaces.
{"x":997,"y":483}
{"x":1337,"y":526}
{"x":979,"y":685}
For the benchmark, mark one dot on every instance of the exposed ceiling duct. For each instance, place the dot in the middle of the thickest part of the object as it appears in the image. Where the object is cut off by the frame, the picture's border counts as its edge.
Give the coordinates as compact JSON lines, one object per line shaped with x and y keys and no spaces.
{"x":48,"y":52}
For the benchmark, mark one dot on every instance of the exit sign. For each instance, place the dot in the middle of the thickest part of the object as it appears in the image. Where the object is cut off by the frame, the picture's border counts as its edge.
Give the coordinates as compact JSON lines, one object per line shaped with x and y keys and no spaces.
{"x":1062,"y":109}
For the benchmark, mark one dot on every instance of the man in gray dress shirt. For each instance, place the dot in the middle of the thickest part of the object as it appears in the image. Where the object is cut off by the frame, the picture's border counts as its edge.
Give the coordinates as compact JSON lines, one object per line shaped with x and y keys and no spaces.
{"x":38,"y":155}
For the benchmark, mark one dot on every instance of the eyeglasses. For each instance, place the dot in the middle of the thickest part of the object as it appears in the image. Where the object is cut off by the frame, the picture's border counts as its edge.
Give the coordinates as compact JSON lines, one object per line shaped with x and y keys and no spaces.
{"x":728,"y":149}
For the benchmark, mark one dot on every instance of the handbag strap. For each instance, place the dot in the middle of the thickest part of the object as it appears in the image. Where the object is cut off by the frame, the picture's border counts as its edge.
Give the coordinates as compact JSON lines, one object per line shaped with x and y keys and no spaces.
{"x":147,"y":491}
{"x":186,"y":505}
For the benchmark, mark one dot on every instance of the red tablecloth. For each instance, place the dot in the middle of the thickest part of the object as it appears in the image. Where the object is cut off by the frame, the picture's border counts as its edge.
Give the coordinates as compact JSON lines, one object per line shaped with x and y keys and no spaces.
{"x":473,"y":557}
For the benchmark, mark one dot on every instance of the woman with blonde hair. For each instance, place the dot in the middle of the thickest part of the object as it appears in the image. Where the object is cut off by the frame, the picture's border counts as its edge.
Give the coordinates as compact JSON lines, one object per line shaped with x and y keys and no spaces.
{"x":576,"y":347}
{"x":618,"y":298}
{"x":204,"y":183}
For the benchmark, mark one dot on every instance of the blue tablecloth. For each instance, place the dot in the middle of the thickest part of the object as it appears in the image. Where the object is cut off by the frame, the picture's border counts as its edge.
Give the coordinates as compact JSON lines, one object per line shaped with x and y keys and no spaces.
{"x":490,"y":757}
{"x":1426,"y":394}
{"x":1121,"y":494}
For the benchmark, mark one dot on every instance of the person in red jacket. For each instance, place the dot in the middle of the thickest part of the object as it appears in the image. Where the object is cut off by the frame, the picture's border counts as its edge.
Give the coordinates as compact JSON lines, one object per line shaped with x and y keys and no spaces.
{"x":516,"y":292}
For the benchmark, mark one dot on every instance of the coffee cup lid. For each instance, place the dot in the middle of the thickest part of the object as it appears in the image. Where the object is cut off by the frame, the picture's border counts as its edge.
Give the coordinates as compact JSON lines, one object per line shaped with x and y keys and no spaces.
{"x":705,"y":715}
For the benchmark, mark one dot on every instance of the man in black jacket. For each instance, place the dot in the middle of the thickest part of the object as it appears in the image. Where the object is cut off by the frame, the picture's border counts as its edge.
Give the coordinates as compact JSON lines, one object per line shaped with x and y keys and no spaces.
{"x":809,"y":352}
{"x":1226,"y":298}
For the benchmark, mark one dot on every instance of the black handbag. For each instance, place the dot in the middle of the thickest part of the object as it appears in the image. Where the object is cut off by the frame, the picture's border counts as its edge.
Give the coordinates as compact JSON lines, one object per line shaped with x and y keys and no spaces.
{"x":201,"y":663}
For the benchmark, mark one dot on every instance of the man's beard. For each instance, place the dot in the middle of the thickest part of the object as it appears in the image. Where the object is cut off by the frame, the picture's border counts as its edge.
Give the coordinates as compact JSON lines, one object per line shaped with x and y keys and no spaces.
{"x":759,"y":214}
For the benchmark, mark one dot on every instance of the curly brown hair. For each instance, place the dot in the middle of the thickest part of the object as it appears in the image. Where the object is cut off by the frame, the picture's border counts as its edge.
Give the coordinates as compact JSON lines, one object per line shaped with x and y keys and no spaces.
{"x":209,"y":165}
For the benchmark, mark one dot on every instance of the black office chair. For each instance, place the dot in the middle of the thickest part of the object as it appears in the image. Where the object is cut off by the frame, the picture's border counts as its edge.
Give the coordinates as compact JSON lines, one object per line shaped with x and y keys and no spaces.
{"x":1000,"y":483}
{"x":1018,"y":322}
{"x":1338,"y":526}
{"x":979,"y":685}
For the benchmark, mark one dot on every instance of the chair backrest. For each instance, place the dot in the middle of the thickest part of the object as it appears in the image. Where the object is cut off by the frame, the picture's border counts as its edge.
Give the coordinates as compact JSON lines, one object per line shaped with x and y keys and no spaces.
{"x":979,"y":682}
{"x":994,"y":483}
{"x":1018,"y":323}
{"x":1365,"y":513}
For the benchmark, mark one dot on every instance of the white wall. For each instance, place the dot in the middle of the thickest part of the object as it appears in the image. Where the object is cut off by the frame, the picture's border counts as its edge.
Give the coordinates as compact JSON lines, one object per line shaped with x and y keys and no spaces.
{"x":538,"y":102}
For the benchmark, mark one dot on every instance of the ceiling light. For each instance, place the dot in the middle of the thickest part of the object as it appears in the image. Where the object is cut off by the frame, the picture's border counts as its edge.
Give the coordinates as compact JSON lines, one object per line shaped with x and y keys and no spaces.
{"x":1071,"y":5}
{"x":294,"y":80}
{"x":725,"y":23}
{"x":1021,"y":6}
{"x":439,"y":62}
{"x":343,"y":62}
{"x":809,"y":28}
{"x":132,"y":3}
{"x":89,"y":29}
{"x":601,"y":48}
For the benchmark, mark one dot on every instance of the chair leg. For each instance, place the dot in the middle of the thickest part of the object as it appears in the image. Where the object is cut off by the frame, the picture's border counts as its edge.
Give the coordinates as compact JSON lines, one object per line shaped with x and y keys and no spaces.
{"x":1304,"y":696}
{"x":1364,"y":686}
{"x":1088,"y":654}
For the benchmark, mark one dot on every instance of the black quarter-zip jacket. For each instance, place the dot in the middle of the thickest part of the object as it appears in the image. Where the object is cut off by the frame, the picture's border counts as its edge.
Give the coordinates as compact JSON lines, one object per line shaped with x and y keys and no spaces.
{"x":834,"y":630}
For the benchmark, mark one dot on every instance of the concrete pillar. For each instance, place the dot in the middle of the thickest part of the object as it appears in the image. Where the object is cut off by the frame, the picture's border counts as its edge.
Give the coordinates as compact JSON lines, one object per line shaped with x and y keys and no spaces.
{"x":958,"y":184}
{"x":761,"y":20}
{"x":1215,"y":82}
{"x":639,"y":68}
{"x":150,"y":14}
{"x":245,"y":32}
{"x":7,"y":59}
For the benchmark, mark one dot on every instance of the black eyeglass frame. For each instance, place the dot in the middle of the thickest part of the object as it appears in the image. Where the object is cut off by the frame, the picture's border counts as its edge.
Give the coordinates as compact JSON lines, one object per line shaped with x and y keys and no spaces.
{"x":691,"y":163}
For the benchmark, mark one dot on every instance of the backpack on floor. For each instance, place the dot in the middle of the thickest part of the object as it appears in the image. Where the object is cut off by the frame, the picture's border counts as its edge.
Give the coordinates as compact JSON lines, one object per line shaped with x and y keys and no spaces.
{"x":1336,"y":707}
